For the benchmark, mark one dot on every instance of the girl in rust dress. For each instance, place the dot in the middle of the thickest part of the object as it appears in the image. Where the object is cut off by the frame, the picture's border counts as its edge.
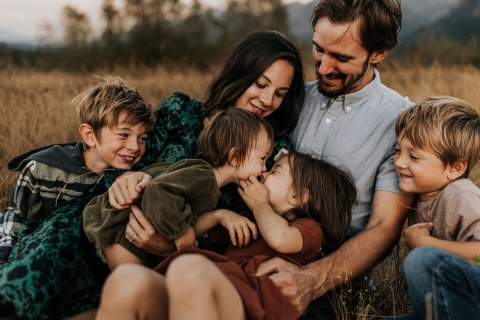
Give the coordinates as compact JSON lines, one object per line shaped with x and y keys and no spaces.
{"x":301,"y":208}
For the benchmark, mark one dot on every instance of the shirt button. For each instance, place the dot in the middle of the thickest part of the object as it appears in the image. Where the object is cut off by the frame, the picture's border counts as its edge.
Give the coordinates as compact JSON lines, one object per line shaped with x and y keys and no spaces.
{"x":328,"y":120}
{"x":348,"y":108}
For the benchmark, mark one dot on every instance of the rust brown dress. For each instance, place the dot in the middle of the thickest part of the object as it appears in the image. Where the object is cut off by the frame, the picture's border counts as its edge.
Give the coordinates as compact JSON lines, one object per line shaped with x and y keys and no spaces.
{"x":262,"y":299}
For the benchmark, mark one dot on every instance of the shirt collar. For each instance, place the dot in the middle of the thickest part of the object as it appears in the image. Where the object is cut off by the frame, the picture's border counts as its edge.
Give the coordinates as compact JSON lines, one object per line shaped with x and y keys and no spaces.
{"x":352,"y":100}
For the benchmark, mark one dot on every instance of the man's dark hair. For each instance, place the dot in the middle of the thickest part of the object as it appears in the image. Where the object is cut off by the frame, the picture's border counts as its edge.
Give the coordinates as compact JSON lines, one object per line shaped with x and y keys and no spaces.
{"x":380,"y":20}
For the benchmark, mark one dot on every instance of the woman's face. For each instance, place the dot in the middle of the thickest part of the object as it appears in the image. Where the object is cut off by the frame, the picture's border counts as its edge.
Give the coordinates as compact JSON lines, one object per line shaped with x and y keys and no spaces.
{"x":265,"y":95}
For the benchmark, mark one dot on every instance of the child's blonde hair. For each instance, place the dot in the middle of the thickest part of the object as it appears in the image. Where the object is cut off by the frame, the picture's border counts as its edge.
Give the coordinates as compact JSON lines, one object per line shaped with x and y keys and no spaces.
{"x":447,"y":126}
{"x":101,"y":105}
{"x":234,"y":128}
{"x":332,"y":195}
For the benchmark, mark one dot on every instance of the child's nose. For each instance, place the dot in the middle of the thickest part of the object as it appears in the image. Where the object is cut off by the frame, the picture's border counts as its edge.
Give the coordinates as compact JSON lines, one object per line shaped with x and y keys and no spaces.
{"x":264,"y":176}
{"x":133,"y":145}
{"x":398,"y":161}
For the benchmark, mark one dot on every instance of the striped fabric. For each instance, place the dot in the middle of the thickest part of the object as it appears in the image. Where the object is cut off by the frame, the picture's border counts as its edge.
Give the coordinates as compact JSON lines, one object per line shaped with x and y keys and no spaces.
{"x":40,"y":189}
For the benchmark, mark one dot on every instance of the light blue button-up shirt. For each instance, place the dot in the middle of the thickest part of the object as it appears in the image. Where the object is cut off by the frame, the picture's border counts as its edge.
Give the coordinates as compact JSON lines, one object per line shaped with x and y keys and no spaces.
{"x":355,"y":132}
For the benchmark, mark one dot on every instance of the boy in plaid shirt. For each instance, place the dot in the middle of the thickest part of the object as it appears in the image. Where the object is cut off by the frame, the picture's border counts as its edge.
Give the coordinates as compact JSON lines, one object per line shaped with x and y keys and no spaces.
{"x":115,"y":120}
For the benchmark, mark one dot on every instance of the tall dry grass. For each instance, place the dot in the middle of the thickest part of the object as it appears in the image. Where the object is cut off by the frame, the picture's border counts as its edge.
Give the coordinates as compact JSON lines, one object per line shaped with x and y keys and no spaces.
{"x":35,"y":110}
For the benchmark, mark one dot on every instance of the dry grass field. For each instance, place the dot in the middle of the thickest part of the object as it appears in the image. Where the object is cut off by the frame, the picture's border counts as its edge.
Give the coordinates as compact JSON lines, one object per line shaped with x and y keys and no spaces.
{"x":35,"y":110}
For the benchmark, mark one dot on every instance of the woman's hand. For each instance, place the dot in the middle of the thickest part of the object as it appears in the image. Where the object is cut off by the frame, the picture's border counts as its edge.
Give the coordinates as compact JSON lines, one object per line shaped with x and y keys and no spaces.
{"x":127,"y":189}
{"x":253,"y":192}
{"x":418,"y":235}
{"x":145,"y":236}
{"x":239,"y":227}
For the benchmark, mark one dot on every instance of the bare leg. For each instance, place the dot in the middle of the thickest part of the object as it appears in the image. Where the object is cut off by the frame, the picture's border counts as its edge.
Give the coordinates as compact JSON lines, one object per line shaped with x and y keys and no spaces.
{"x":134,"y":292}
{"x":199,"y":290}
{"x":116,"y":254}
{"x":85,"y":315}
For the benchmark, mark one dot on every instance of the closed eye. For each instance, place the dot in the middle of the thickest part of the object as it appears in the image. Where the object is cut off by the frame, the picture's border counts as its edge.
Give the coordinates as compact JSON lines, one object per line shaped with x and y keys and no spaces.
{"x":260,"y":85}
{"x":413,"y":157}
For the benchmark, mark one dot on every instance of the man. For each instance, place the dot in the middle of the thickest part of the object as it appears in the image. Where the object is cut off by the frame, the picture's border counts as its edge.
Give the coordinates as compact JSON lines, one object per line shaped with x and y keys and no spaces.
{"x":348,"y":119}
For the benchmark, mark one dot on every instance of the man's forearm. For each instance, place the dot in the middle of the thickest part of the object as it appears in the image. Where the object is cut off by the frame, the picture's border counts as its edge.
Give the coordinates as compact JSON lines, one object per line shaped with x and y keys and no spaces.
{"x":353,"y":258}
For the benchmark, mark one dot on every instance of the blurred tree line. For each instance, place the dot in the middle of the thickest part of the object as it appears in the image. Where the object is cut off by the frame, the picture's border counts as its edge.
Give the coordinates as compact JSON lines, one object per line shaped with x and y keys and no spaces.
{"x":147,"y":33}
{"x":151,"y":32}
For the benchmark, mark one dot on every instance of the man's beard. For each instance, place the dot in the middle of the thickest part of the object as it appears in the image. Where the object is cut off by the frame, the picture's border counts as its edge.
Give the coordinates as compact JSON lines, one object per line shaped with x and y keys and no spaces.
{"x":332,"y":92}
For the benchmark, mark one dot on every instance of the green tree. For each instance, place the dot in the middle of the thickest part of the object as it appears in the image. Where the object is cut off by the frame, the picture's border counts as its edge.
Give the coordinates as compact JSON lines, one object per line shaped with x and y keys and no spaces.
{"x":149,"y":35}
{"x":245,"y":16}
{"x":111,"y":46}
{"x":77,"y":30}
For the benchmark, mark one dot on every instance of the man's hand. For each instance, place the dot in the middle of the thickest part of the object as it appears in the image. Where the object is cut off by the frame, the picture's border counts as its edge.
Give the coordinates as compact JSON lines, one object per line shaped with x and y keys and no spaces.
{"x":296,"y":283}
{"x":148,"y":239}
{"x":127,"y":189}
{"x":418,"y":235}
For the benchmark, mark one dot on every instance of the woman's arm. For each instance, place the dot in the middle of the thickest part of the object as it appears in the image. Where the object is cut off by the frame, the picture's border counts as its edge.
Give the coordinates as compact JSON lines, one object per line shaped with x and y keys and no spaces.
{"x":148,"y":239}
{"x":277,"y":232}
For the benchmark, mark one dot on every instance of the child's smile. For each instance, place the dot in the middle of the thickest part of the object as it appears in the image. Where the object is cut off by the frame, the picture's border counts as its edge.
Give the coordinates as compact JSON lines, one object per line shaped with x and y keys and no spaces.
{"x":419,"y":171}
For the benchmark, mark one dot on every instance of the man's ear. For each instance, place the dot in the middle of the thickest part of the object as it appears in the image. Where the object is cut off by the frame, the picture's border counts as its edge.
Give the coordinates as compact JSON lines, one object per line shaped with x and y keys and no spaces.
{"x":233,"y":157}
{"x":378,"y":56}
{"x":293,"y":198}
{"x":457,"y":169}
{"x":87,"y":134}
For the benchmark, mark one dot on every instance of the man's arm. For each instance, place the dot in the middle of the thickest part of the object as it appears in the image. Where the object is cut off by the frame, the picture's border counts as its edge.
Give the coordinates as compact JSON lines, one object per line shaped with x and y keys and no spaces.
{"x":356,"y":256}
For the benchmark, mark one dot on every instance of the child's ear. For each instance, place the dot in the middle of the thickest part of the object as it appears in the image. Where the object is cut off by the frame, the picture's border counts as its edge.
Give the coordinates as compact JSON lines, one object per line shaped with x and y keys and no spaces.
{"x":457,"y":169}
{"x":293,"y":198}
{"x":87,"y":134}
{"x":233,"y":157}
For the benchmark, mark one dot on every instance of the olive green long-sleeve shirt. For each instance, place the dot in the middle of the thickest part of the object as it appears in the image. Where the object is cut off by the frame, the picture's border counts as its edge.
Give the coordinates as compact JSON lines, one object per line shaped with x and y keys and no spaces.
{"x":177,"y":194}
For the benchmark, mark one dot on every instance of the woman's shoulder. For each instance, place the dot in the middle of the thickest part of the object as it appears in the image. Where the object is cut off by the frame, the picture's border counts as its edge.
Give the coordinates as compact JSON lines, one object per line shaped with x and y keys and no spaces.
{"x":181,"y":101}
{"x":282,"y":142}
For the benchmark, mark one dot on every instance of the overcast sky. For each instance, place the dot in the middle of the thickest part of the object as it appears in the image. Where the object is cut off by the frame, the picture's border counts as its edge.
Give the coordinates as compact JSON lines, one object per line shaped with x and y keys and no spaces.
{"x":26,"y":17}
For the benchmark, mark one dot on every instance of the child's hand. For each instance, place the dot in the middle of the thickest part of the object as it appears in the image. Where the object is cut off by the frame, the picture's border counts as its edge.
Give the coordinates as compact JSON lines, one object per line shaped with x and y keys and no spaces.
{"x":418,"y":234}
{"x":188,"y":240}
{"x":238,"y":227}
{"x":253,"y":192}
{"x":127,"y":189}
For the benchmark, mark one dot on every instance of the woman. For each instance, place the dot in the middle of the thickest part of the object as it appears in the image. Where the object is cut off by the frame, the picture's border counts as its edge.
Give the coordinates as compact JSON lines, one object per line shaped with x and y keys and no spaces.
{"x":53,"y":271}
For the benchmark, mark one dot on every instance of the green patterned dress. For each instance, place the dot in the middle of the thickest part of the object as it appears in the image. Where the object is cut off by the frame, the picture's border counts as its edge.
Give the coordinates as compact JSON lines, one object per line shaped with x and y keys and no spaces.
{"x":53,"y":271}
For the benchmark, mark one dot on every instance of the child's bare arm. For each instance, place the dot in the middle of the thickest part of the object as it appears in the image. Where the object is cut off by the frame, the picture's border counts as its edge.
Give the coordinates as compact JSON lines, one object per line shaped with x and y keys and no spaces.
{"x":240,"y":228}
{"x":277,"y":232}
{"x":188,"y":240}
{"x":418,"y":235}
{"x":127,"y":189}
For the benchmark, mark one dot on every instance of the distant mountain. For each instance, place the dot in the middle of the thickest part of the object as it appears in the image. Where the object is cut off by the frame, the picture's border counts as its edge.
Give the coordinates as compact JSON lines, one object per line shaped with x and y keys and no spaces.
{"x":298,"y":15}
{"x":11,"y":37}
{"x":417,"y":15}
{"x":461,"y":23}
